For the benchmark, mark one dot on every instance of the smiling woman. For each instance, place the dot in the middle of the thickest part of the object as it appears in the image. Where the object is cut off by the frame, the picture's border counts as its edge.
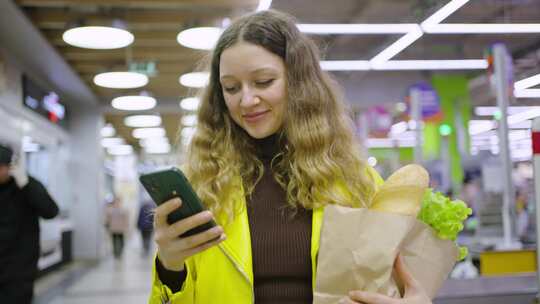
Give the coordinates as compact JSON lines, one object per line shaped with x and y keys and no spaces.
{"x":255,"y":88}
{"x":273,"y":145}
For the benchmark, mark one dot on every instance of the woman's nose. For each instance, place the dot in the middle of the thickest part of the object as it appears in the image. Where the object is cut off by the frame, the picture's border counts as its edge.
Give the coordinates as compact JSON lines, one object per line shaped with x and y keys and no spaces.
{"x":249,"y":99}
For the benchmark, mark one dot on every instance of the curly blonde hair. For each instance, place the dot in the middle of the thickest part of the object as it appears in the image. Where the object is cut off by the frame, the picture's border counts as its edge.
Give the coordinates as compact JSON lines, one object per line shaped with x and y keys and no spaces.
{"x":318,"y":146}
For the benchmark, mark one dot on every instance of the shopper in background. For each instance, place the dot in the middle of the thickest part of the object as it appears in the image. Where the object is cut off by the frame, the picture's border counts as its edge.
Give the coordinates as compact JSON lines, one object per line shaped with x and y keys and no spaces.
{"x":23,"y":200}
{"x":522,"y":214}
{"x":145,"y":224}
{"x":117,"y":222}
{"x":273,"y":146}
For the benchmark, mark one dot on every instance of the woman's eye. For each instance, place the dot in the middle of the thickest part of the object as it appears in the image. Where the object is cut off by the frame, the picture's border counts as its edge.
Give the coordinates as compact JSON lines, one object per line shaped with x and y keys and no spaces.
{"x":229,"y":89}
{"x":264,"y":82}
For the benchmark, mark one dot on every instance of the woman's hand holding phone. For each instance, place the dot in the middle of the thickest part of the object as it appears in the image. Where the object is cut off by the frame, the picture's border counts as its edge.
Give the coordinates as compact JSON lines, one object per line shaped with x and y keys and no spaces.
{"x":173,"y":249}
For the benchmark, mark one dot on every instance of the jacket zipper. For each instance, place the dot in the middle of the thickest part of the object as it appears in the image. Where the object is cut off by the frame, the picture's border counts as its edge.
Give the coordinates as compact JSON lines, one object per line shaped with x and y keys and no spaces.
{"x":241,"y":272}
{"x":164,"y":297}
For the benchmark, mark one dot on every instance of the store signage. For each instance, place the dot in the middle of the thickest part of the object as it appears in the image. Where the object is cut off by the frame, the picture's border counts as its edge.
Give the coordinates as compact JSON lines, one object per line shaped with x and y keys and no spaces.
{"x":379,"y":121}
{"x":536,"y":142}
{"x":429,"y":99}
{"x":147,"y":68}
{"x":45,"y":103}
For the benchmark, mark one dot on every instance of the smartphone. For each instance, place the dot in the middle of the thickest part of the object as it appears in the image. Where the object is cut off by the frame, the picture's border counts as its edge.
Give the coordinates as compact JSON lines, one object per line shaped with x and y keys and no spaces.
{"x":172,"y":183}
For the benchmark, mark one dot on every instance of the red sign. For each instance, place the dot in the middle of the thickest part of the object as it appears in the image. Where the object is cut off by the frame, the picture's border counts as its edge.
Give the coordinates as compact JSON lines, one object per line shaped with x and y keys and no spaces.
{"x":536,"y":142}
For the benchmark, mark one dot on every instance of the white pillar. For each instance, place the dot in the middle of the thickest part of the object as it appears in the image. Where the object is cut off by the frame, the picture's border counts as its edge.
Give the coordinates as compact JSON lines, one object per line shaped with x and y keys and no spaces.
{"x":501,"y":89}
{"x":416,"y":113}
{"x":86,"y":172}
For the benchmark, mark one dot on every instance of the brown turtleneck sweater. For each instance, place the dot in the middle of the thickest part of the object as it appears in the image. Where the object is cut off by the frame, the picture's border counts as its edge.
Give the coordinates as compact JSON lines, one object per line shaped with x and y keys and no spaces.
{"x":280,"y":241}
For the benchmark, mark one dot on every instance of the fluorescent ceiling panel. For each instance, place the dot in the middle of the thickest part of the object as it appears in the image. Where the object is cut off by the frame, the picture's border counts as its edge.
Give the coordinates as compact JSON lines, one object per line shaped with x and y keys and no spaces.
{"x":357,"y":28}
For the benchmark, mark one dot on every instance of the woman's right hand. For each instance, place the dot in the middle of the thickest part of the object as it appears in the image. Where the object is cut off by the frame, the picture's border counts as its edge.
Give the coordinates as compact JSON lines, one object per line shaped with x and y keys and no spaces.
{"x":174,"y":250}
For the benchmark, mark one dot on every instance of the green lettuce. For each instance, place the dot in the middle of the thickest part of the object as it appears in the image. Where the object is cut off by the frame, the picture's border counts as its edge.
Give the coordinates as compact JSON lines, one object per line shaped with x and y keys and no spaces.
{"x":445,"y":216}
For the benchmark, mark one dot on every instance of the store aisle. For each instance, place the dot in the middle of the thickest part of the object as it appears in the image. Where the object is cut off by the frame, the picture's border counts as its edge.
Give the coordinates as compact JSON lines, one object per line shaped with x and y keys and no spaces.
{"x":111,"y":281}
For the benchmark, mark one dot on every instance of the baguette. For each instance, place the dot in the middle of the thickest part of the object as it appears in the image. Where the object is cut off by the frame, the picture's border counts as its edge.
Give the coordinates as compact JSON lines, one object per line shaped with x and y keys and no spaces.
{"x":403,"y":191}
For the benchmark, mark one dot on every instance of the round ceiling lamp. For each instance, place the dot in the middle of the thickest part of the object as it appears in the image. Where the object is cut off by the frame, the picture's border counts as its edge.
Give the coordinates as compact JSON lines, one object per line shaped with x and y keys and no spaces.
{"x":120,"y":150}
{"x":142,"y":121}
{"x":148,"y":132}
{"x":190,"y":103}
{"x":111,"y":141}
{"x":201,"y":38}
{"x":98,"y":37}
{"x":134,"y":103}
{"x":189,"y":120}
{"x":152,"y":141}
{"x":158,"y":149}
{"x":194,"y":80}
{"x":108,"y":131}
{"x":121,"y":80}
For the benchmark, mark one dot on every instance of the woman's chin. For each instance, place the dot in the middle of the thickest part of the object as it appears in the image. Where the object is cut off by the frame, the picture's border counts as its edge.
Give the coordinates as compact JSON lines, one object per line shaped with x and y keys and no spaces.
{"x":259,"y":133}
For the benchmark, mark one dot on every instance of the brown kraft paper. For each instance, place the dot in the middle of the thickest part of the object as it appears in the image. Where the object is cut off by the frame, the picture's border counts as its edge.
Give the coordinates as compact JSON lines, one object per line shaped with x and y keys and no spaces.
{"x":358,"y":248}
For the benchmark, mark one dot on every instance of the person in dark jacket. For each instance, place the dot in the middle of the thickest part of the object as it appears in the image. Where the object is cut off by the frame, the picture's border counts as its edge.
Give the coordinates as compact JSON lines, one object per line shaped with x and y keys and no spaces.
{"x":145,"y":224}
{"x":23,"y":200}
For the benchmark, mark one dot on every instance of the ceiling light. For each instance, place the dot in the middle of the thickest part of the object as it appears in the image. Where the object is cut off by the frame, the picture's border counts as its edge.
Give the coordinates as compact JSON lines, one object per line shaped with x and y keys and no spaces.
{"x":527,"y":124}
{"x":98,"y":37}
{"x":527,"y":82}
{"x":468,"y":64}
{"x":111,"y":141}
{"x":358,"y":28}
{"x":517,"y":135}
{"x":397,"y":65}
{"x":398,"y":46}
{"x":158,"y":149}
{"x":491,"y":111}
{"x":514,"y":120}
{"x":202,"y":38}
{"x":443,"y":13}
{"x":345,"y":65}
{"x":107,"y":131}
{"x":195,"y":79}
{"x":479,"y":28}
{"x":263,"y":5}
{"x":142,"y":121}
{"x":148,"y":132}
{"x":121,"y":80}
{"x":134,"y":103}
{"x":120,"y":150}
{"x":527,"y":93}
{"x":522,"y":116}
{"x":189,"y":120}
{"x":479,"y":128}
{"x":190,"y":103}
{"x":485,"y":111}
{"x":372,"y":161}
{"x":145,"y":142}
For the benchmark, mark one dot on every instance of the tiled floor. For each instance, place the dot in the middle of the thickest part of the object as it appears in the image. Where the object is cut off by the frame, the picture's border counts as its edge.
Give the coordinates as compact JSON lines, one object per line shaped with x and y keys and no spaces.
{"x":129,"y":281}
{"x":111,"y":281}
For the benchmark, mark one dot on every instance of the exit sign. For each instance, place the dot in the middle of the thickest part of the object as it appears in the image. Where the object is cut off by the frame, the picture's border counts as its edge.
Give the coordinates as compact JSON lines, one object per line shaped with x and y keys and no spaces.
{"x":149,"y":68}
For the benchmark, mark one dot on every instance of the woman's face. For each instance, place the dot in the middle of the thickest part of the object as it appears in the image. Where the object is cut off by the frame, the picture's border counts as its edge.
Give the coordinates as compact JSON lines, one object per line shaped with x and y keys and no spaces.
{"x":255,"y":88}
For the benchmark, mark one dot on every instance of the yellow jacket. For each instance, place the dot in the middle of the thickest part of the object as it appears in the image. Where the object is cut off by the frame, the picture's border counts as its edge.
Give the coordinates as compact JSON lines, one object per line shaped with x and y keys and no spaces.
{"x":224,"y":273}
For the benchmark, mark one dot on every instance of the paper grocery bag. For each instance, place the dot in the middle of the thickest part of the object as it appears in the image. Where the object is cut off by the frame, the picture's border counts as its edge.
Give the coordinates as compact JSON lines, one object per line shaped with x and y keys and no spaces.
{"x":358,"y":248}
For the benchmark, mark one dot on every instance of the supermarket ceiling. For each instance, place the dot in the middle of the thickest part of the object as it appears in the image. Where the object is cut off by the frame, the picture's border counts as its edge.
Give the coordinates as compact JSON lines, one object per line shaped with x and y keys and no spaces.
{"x":155,"y":25}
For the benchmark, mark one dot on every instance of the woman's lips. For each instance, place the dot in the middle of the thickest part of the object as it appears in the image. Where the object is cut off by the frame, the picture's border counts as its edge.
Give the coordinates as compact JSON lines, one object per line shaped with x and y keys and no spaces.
{"x":254,"y":117}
